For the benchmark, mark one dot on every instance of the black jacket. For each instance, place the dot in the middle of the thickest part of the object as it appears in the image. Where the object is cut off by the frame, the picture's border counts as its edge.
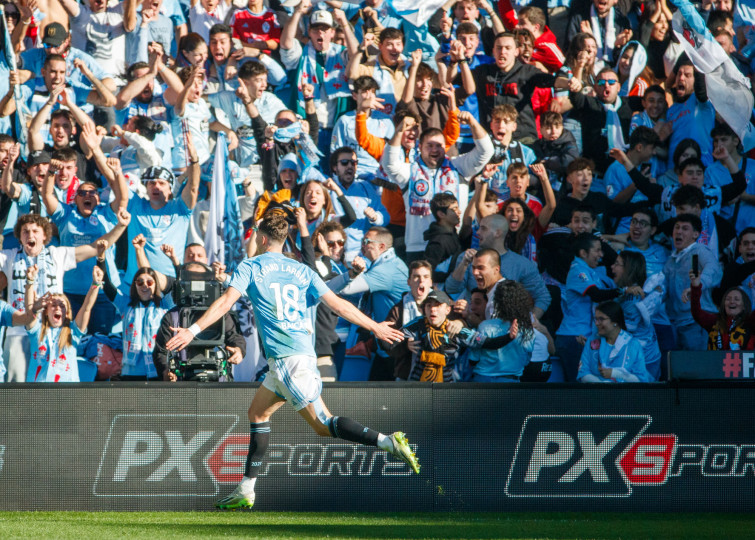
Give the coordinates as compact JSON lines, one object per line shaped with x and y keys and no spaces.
{"x":442,"y":243}
{"x":591,"y":115}
{"x":556,"y":155}
{"x":515,"y":87}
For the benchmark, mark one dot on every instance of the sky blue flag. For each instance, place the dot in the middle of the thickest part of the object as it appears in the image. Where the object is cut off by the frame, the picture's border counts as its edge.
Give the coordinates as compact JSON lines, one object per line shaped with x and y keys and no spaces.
{"x":8,"y":58}
{"x":223,"y":238}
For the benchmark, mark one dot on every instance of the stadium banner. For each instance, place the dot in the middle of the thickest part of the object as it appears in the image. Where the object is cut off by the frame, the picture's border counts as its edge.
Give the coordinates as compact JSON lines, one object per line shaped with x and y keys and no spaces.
{"x":160,"y":446}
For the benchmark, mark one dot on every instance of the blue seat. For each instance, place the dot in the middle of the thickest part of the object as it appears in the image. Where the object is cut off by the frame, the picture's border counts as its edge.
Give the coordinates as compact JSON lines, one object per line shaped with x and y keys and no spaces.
{"x":87,"y":370}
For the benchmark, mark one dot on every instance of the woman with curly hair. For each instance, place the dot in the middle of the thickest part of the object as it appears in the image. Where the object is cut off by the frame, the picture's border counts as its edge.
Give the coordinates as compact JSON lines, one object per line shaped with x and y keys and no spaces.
{"x":733,"y":327}
{"x":501,"y":347}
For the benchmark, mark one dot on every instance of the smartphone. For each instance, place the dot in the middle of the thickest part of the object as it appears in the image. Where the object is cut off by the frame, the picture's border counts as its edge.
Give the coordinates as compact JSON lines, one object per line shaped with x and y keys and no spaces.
{"x":695,"y":265}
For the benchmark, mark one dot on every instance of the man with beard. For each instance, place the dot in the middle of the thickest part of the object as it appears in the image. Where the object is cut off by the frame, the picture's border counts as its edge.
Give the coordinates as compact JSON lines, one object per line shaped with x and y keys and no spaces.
{"x":492,"y":233}
{"x":605,"y":118}
{"x":361,"y":194}
{"x":434,"y":172}
{"x":321,"y":63}
{"x":692,"y":114}
{"x":80,"y":222}
{"x":57,"y":42}
{"x":34,"y":233}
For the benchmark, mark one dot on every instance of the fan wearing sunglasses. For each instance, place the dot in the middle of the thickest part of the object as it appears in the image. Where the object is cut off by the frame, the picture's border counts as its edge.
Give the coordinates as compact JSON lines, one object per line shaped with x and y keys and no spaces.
{"x":605,"y":118}
{"x":142,"y":310}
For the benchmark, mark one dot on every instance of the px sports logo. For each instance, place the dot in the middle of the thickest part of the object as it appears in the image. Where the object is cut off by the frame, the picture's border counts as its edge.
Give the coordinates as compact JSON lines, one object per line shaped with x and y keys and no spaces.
{"x":175,"y":455}
{"x":605,"y":456}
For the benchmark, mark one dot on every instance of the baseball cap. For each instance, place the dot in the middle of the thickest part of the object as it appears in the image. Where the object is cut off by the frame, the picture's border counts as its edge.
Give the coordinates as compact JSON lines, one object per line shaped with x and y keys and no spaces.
{"x":290,"y":3}
{"x":158,"y":173}
{"x":55,"y":34}
{"x":439,"y":296}
{"x":321,"y":17}
{"x":40,"y":156}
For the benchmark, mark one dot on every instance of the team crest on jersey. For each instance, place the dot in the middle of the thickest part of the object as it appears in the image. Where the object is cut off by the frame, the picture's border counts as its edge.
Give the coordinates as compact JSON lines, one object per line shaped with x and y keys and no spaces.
{"x":582,"y":276}
{"x":421,"y":187}
{"x":165,"y":220}
{"x":266,"y":27}
{"x":93,"y":220}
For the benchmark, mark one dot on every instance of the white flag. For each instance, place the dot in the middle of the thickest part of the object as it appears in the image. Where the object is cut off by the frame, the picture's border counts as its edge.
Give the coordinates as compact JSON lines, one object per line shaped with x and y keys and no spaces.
{"x":728,"y":90}
{"x":417,"y":12}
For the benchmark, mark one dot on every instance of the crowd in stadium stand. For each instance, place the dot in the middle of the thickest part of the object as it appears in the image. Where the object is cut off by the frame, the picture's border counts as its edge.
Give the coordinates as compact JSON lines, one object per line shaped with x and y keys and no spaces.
{"x":562,"y":184}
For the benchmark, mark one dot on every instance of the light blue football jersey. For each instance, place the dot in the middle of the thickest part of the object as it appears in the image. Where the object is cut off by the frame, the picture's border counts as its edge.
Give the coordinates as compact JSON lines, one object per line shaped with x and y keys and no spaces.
{"x":282,"y":291}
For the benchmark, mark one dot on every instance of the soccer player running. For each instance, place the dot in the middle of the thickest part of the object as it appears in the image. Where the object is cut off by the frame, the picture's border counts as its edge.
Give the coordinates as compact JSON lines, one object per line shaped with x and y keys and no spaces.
{"x":281,"y":290}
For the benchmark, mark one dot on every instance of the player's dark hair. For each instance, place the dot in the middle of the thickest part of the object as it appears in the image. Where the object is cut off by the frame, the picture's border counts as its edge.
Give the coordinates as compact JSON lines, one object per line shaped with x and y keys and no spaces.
{"x":477,"y":290}
{"x":275,"y":228}
{"x":6,"y":139}
{"x":441,"y":201}
{"x":156,"y":297}
{"x":688,"y":196}
{"x":147,"y":127}
{"x":746,"y":230}
{"x":526,"y":34}
{"x":613,"y":311}
{"x":645,"y":136}
{"x":692,"y":219}
{"x":65,"y":113}
{"x":584,"y":242}
{"x":249,"y":70}
{"x":390,"y":33}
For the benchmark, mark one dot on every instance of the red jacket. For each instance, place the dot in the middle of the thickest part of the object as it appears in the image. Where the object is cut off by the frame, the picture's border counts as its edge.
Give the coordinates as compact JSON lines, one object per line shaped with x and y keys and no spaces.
{"x":547,"y":52}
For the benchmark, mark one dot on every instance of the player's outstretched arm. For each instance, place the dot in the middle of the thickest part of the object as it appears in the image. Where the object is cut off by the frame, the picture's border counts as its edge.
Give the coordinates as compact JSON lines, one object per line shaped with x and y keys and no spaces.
{"x":219,"y":307}
{"x":383,"y":331}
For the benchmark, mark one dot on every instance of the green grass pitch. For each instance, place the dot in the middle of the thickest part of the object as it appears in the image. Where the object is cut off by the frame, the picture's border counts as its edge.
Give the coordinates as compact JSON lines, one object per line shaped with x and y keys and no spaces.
{"x":288,"y":525}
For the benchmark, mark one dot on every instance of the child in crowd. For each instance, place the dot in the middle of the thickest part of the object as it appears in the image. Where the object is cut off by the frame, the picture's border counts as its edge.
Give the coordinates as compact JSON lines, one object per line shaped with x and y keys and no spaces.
{"x":55,"y":335}
{"x":434,"y":351}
